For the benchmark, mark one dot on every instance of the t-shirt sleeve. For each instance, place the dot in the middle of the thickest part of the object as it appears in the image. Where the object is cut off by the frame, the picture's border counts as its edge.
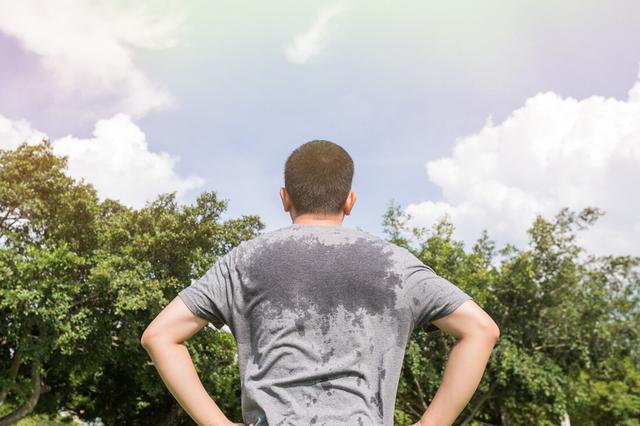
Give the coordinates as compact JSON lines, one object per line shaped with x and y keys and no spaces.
{"x":211,"y":296}
{"x":430,"y":296}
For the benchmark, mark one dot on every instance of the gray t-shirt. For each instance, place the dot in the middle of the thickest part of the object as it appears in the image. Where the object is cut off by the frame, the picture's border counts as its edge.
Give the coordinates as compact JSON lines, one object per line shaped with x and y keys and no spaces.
{"x":321,"y":316}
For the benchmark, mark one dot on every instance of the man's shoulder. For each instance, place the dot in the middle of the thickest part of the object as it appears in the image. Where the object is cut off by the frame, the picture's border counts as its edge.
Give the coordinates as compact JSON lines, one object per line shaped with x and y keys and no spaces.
{"x":289,"y":233}
{"x":343,"y":235}
{"x":273,"y":245}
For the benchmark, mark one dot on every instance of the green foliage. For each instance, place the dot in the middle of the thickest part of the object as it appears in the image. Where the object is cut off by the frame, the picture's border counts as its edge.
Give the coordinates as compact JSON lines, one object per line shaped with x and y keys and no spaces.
{"x":567,"y":318}
{"x":81,"y":278}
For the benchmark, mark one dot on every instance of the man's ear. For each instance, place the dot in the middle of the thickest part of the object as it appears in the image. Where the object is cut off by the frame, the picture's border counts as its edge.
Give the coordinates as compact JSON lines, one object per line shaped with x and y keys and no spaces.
{"x":349,"y":203}
{"x":285,"y":199}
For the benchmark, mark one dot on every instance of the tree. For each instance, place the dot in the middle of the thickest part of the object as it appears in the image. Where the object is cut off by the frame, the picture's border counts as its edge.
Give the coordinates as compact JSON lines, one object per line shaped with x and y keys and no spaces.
{"x":79,"y":281}
{"x":81,"y":278}
{"x":564,"y":318}
{"x":46,"y":234}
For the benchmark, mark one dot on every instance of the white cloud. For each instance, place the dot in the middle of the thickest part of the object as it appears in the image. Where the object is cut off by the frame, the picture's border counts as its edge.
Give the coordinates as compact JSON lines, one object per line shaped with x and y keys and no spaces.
{"x":13,"y":132}
{"x":87,"y":48}
{"x":116,"y":160}
{"x":307,"y":44}
{"x":551,"y":153}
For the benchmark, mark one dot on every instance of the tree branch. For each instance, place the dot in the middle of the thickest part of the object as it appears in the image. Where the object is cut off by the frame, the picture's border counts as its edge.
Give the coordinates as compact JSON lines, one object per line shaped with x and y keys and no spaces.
{"x":13,"y":373}
{"x":27,"y":408}
{"x":423,"y":400}
{"x":479,"y":404}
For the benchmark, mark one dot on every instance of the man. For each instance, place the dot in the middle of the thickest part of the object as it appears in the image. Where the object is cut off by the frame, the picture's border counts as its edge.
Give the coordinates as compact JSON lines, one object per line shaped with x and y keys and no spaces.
{"x":321,"y":314}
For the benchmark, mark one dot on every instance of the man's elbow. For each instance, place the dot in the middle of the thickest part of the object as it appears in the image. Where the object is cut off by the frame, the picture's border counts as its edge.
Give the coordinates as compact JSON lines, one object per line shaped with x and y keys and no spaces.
{"x":155,"y":339}
{"x":148,"y":339}
{"x":490,"y":330}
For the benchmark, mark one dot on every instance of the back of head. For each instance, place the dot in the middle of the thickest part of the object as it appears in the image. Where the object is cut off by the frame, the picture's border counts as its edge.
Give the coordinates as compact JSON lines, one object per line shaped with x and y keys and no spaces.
{"x":318,"y":177}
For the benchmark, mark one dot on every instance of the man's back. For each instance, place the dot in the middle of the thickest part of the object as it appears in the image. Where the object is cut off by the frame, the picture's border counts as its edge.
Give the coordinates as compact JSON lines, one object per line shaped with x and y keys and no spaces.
{"x":321,"y":316}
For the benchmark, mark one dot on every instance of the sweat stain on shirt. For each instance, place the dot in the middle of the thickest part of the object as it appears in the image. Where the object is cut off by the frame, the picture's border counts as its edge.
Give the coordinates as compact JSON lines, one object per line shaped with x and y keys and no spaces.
{"x":321,"y":316}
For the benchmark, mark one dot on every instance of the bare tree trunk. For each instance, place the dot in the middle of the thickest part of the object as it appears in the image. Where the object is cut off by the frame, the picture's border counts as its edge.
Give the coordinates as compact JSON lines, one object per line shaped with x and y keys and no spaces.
{"x":27,"y":408}
{"x":503,"y":417}
{"x":479,"y":404}
{"x":13,"y":373}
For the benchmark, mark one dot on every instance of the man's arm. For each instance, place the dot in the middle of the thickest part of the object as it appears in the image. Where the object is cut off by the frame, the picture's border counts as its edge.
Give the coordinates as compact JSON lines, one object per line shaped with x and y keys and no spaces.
{"x":476,"y":334}
{"x":163,"y":340}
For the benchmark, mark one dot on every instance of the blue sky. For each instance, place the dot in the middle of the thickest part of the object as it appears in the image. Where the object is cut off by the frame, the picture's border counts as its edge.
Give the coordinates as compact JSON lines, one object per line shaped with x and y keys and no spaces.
{"x":488,"y":111}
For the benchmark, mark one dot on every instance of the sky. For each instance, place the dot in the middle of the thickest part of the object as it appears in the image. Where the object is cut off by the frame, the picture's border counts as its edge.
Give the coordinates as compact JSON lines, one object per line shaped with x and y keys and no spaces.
{"x":489,"y":112}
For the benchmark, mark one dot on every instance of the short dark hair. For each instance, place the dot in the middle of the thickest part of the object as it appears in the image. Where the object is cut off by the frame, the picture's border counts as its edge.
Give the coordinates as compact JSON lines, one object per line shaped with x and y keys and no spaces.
{"x":318,"y":176}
